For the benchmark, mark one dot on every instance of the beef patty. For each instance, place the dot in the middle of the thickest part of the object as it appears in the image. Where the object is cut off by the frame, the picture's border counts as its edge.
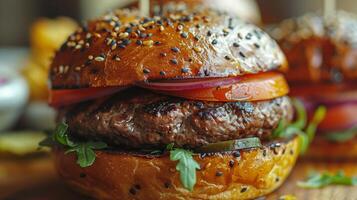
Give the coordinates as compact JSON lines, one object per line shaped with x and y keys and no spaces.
{"x":140,"y":119}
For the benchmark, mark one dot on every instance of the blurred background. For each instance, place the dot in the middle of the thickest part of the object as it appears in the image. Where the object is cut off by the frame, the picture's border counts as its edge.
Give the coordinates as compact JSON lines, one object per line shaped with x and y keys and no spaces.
{"x":30,"y":33}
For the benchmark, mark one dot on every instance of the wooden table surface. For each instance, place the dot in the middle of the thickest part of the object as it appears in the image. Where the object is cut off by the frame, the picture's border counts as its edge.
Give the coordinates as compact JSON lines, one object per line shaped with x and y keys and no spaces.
{"x":35,"y":179}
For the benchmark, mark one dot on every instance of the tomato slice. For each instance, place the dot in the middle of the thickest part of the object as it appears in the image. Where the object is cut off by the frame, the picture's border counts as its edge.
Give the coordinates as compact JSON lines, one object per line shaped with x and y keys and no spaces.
{"x":263,"y":86}
{"x":59,"y":98}
{"x":339,"y":118}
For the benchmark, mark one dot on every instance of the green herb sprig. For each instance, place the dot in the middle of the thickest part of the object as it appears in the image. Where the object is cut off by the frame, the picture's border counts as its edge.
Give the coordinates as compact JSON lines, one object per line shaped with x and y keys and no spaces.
{"x":186,"y":165}
{"x":305,"y":133}
{"x":84,"y":150}
{"x":319,"y":180}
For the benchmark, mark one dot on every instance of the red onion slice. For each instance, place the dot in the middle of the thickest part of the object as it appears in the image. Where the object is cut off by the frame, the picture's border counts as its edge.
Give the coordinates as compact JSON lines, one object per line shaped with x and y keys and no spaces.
{"x":189,"y":84}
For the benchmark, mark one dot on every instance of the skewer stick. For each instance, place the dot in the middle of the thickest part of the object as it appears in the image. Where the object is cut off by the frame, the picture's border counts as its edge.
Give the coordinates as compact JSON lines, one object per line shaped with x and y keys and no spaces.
{"x":329,"y":8}
{"x":144,"y":6}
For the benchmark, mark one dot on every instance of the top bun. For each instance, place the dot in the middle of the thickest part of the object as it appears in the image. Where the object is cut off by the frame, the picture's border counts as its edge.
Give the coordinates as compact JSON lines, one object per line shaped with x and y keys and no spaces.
{"x":121,"y":49}
{"x":319,"y":49}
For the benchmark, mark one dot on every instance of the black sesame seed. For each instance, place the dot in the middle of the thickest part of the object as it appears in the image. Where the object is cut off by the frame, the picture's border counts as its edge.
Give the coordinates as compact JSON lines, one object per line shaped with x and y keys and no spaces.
{"x":139,"y":42}
{"x":257,"y":45}
{"x":291,"y":152}
{"x":174,"y":61}
{"x":219,"y":173}
{"x":248,"y":36}
{"x":184,"y":35}
{"x":264,"y":153}
{"x":88,"y":62}
{"x":277,"y":179}
{"x":197,"y":38}
{"x":157,"y":42}
{"x":240,"y":36}
{"x":163,"y":54}
{"x":146,"y":71}
{"x":235,"y":44}
{"x":126,"y":41}
{"x":185,"y":70}
{"x":214,"y":42}
{"x":159,"y":22}
{"x":225,"y":34}
{"x":209,"y":33}
{"x":162,"y":73}
{"x":122,"y":46}
{"x":236,"y":154}
{"x":190,"y":60}
{"x":227,"y":57}
{"x":231,"y":163}
{"x":198,"y":26}
{"x":175,"y":49}
{"x":128,"y":29}
{"x":82,"y":175}
{"x":242,"y":54}
{"x":243,"y":190}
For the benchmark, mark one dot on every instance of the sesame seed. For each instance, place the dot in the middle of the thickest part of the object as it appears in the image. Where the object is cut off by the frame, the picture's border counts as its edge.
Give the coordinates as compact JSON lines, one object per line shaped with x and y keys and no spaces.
{"x":231,"y":163}
{"x":141,"y":28}
{"x":219,"y":173}
{"x":128,"y":29}
{"x":179,"y":27}
{"x":139,"y":42}
{"x":162,"y":73}
{"x":148,"y":43}
{"x":184,"y":35}
{"x":99,"y":59}
{"x":157,"y":42}
{"x":77,"y":68}
{"x":209,"y":33}
{"x":122,"y":46}
{"x":197,"y":37}
{"x":146,"y":71}
{"x":185,"y":70}
{"x":114,"y":46}
{"x":143,"y":35}
{"x":214,"y":42}
{"x":197,"y":49}
{"x":227,"y":58}
{"x":175,"y":49}
{"x":242,"y":54}
{"x":167,"y":184}
{"x":256,"y":45}
{"x":235,"y":44}
{"x":114,"y":34}
{"x":126,"y":41}
{"x":162,"y":28}
{"x":123,"y":35}
{"x":248,"y":36}
{"x":90,"y":57}
{"x":236,"y":154}
{"x":116,"y":58}
{"x":163,"y":54}
{"x":240,"y":36}
{"x":243,"y":190}
{"x":174,"y":61}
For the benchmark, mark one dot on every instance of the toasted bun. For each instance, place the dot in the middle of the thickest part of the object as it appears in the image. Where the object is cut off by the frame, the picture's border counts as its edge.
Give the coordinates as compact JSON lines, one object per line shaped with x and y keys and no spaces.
{"x":246,"y":9}
{"x":254,"y":173}
{"x":325,"y":150}
{"x":121,"y":49}
{"x":319,"y":50}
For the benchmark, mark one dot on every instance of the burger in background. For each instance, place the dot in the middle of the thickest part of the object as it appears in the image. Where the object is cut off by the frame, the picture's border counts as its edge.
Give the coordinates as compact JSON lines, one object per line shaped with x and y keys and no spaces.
{"x":322,"y":54}
{"x":46,"y":35}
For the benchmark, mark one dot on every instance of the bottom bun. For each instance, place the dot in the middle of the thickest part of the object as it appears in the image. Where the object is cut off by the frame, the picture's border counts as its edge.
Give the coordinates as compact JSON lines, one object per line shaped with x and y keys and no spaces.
{"x":323,"y":149}
{"x":244,"y":174}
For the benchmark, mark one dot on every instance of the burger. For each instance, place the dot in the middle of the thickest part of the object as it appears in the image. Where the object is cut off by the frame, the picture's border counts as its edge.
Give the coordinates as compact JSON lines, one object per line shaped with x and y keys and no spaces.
{"x":321,"y":53}
{"x":187,"y":105}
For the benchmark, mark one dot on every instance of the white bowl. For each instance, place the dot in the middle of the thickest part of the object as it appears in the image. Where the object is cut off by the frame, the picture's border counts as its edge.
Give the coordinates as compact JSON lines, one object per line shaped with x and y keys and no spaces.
{"x":13,"y":97}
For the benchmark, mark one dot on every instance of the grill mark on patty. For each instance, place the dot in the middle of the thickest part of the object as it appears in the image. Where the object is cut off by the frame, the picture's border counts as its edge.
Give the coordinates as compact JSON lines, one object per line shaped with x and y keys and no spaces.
{"x":143,"y":119}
